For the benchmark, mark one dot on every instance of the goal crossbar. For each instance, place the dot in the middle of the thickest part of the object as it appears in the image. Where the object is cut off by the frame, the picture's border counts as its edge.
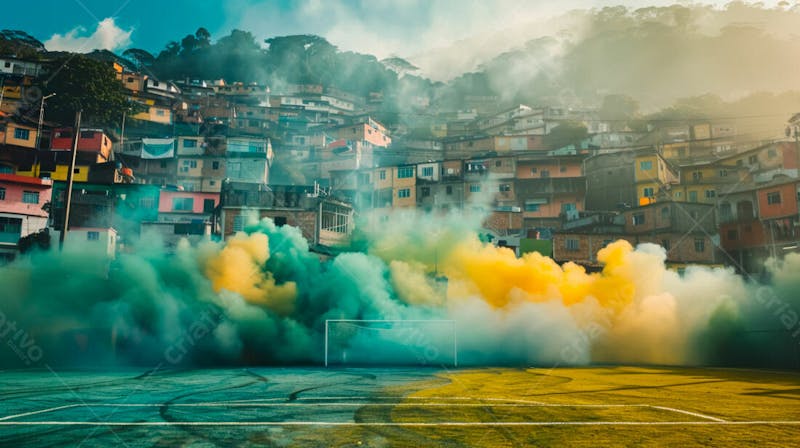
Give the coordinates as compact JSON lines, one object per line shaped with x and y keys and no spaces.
{"x":391,"y":321}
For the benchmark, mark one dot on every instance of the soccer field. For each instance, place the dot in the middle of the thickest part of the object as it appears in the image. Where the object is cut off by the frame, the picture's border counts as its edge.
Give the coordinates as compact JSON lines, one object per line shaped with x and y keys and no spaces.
{"x":597,"y":406}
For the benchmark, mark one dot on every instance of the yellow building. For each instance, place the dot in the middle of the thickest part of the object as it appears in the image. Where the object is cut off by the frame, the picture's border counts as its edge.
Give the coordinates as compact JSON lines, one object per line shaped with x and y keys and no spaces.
{"x":676,"y":151}
{"x":394,"y":186}
{"x":154,"y":113}
{"x":705,"y":183}
{"x":404,"y":186}
{"x":80,"y":174}
{"x":19,"y":135}
{"x":652,"y":175}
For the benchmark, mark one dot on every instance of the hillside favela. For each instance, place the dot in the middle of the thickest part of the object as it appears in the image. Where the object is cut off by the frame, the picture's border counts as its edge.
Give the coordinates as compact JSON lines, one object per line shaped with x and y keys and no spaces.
{"x":400,"y":223}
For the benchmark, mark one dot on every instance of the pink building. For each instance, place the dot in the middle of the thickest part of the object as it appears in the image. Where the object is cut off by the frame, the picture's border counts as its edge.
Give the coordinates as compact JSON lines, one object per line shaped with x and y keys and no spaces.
{"x":21,"y":209}
{"x":187,"y":202}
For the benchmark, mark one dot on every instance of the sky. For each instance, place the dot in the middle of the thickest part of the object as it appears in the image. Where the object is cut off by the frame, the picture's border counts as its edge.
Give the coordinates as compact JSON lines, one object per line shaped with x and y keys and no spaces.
{"x":380,"y":27}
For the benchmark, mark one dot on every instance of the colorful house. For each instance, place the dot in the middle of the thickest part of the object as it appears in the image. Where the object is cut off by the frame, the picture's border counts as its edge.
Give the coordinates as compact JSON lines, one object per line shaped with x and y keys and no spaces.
{"x":22,"y":209}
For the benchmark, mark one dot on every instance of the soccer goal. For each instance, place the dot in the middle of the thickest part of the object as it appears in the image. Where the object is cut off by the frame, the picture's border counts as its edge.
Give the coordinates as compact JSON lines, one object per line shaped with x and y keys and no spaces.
{"x":391,"y":342}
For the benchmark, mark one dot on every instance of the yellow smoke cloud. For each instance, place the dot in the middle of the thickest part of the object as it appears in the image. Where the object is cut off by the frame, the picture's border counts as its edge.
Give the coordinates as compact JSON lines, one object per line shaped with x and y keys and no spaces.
{"x":412,"y":284}
{"x":498,"y":276}
{"x":239,"y":268}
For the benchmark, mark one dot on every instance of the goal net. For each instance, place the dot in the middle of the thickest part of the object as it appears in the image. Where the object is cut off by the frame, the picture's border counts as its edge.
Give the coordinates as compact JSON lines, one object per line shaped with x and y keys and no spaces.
{"x":391,"y":342}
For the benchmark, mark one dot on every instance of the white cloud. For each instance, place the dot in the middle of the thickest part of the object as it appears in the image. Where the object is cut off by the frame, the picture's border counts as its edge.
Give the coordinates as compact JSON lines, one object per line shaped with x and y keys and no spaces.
{"x":107,"y":36}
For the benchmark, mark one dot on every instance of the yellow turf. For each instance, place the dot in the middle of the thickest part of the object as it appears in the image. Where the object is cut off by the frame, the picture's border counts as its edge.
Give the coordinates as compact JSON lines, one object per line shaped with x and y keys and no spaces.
{"x":675,"y":399}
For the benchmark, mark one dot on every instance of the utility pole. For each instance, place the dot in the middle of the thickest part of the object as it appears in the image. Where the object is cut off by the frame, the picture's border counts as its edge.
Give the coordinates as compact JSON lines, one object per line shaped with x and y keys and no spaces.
{"x":2,"y":90}
{"x":122,"y":133}
{"x":41,"y":117}
{"x":68,"y":194}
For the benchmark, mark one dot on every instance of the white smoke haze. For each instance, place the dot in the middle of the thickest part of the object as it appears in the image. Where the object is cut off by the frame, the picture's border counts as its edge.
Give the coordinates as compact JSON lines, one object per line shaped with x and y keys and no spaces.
{"x":447,"y":38}
{"x":107,"y":36}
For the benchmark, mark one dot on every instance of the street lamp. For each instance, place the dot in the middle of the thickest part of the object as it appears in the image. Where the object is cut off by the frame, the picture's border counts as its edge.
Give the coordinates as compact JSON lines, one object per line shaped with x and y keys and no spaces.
{"x":41,"y":117}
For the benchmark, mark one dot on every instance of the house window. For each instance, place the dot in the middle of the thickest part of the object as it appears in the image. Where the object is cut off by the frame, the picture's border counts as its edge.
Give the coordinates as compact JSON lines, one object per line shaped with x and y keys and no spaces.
{"x":2,"y":194}
{"x":771,"y":153}
{"x":208,"y":205}
{"x":182,"y":204}
{"x":562,"y":169}
{"x":425,"y":192}
{"x":732,"y":235}
{"x":752,"y":160}
{"x":665,"y":213}
{"x":475,"y":188}
{"x":404,"y":172}
{"x":30,"y":197}
{"x":697,"y":175}
{"x":147,"y":202}
{"x":498,"y":163}
{"x":280,"y":221}
{"x":22,"y":134}
{"x":214,"y":165}
{"x":545,"y":173}
{"x":646,"y":165}
{"x":567,"y":207}
{"x":404,"y":193}
{"x":449,"y":189}
{"x":531,"y":207}
{"x":638,"y":219}
{"x":93,"y":236}
{"x":427,"y":171}
{"x":699,"y":245}
{"x":505,"y":187}
{"x":10,"y":225}
{"x":648,"y":192}
{"x":692,"y":196}
{"x":665,"y":244}
{"x":188,"y":143}
{"x":130,"y":79}
{"x":382,"y":175}
{"x":723,"y":173}
{"x":774,"y":197}
{"x":710,"y":194}
{"x":725,"y":211}
{"x":571,"y":244}
{"x":238,"y":223}
{"x":533,"y":170}
{"x":87,"y":135}
{"x":163,"y":164}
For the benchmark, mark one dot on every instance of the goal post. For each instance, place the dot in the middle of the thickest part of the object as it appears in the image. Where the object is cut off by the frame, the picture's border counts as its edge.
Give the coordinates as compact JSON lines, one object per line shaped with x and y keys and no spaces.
{"x":391,"y":341}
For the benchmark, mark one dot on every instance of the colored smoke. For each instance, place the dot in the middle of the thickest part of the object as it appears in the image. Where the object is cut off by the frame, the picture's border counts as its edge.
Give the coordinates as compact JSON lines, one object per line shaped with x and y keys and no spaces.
{"x":263,"y":298}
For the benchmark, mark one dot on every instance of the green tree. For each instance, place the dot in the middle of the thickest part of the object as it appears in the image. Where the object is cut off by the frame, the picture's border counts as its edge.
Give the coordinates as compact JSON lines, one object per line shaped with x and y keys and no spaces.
{"x":142,"y":59}
{"x":566,"y":133}
{"x":203,"y":37}
{"x":618,"y":107}
{"x":83,"y":83}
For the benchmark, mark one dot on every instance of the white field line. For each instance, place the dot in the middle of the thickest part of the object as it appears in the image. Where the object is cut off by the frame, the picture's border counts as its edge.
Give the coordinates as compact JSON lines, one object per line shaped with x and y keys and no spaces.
{"x":396,"y":424}
{"x":491,"y":403}
{"x":68,"y":406}
{"x":695,"y":414}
